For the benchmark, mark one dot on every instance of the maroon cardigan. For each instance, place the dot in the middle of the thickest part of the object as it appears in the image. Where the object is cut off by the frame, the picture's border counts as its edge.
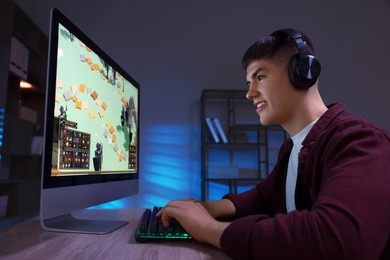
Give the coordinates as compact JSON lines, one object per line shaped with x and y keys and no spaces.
{"x":342,"y":198}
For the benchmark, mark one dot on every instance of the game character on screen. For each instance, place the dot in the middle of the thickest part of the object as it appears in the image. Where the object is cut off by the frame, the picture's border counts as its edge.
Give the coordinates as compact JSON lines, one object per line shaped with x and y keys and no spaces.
{"x":98,"y":159}
{"x":62,"y":113}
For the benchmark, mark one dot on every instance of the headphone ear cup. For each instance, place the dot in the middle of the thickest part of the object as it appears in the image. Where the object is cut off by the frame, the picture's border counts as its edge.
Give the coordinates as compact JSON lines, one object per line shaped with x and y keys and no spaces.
{"x":303,"y":71}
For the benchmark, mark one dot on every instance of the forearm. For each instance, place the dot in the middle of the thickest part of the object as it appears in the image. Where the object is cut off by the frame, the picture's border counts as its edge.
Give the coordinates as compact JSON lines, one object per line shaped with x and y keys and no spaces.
{"x":217,"y":209}
{"x":213,"y":233}
{"x":220,"y":209}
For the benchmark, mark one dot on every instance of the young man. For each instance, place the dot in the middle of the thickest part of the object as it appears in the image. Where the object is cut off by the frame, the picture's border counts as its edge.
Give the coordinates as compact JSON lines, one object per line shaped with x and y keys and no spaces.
{"x":328,"y":196}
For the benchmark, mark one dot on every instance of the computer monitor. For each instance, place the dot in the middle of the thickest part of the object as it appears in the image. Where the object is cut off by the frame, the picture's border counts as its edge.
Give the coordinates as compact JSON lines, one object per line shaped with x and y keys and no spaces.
{"x":91,"y":150}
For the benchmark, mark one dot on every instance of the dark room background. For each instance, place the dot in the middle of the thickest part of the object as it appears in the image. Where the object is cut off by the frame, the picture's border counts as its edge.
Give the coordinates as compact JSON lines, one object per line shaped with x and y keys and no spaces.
{"x":175,"y":49}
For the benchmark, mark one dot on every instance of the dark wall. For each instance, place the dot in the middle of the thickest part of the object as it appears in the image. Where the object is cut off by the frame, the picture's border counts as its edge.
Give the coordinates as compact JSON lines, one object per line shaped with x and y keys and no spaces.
{"x":177,"y":48}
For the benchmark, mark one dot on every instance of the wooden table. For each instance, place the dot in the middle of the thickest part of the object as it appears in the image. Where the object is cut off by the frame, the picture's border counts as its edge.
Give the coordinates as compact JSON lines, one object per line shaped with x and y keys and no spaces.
{"x":28,"y":240}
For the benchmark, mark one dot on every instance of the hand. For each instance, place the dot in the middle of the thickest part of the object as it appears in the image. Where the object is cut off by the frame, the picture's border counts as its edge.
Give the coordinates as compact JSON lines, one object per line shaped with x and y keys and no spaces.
{"x":195,"y":220}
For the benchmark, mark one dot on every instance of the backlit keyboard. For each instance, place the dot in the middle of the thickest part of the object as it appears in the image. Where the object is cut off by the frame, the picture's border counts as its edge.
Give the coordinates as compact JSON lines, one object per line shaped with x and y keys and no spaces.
{"x":151,"y":227}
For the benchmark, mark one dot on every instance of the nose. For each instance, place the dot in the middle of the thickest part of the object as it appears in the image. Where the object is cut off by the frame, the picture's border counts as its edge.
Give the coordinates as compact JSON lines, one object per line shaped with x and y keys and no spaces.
{"x":248,"y":96}
{"x":251,"y":93}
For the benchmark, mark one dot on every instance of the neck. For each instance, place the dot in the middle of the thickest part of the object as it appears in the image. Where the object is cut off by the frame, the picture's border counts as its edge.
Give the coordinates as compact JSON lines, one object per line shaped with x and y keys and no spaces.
{"x":309,"y":108}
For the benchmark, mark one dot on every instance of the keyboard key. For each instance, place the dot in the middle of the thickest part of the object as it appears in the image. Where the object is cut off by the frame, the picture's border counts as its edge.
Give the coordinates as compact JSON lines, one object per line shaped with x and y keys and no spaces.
{"x":145,"y":221}
{"x":150,"y":227}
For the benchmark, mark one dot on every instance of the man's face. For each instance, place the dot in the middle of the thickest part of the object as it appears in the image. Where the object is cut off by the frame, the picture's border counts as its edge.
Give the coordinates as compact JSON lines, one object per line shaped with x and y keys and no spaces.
{"x":271,"y":92}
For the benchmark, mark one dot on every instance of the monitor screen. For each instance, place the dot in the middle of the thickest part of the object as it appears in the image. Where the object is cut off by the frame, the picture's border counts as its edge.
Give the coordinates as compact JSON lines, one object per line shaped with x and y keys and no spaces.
{"x":91,"y":128}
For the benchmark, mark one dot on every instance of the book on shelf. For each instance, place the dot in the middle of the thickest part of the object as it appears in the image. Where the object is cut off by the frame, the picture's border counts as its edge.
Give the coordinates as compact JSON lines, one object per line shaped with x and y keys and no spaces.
{"x":220,"y":131}
{"x":212,"y":130}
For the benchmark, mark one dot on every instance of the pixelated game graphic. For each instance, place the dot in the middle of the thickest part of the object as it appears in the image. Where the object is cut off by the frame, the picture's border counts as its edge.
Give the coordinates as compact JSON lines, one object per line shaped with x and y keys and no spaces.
{"x":95,"y":114}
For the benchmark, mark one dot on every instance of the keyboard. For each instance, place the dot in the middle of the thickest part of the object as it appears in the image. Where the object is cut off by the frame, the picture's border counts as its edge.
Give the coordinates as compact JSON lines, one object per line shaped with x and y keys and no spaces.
{"x":151,"y":227}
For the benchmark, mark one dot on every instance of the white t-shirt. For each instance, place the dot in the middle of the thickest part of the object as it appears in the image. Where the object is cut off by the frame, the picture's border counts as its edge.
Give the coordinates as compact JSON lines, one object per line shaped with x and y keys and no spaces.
{"x":292,"y":170}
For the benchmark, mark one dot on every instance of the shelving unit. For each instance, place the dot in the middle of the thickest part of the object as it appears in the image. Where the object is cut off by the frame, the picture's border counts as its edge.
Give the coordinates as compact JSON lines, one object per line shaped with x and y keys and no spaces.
{"x":21,"y":114}
{"x":245,"y":158}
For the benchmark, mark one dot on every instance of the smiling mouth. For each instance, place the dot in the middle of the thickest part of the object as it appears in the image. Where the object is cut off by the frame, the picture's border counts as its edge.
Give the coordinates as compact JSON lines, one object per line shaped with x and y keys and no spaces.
{"x":260,"y":105}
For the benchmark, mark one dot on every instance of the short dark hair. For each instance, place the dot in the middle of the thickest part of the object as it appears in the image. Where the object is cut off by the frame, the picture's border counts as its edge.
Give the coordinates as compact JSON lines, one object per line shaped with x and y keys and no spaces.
{"x":278,"y":46}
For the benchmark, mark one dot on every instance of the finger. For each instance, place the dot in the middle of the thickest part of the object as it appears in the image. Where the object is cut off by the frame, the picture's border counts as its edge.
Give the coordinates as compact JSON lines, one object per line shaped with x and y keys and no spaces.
{"x":168,"y":212}
{"x":160,"y":212}
{"x":166,"y":219}
{"x":166,"y":222}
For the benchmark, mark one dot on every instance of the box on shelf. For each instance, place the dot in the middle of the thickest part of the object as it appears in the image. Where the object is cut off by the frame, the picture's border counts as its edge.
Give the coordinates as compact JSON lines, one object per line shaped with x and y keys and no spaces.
{"x":28,"y":114}
{"x":4,"y":173}
{"x":19,"y":58}
{"x":223,"y":171}
{"x":3,"y":206}
{"x":248,"y":173}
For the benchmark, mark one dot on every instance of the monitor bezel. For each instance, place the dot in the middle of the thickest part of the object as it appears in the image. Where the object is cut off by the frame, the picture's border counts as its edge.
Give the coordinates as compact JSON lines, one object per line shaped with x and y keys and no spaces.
{"x":49,"y":181}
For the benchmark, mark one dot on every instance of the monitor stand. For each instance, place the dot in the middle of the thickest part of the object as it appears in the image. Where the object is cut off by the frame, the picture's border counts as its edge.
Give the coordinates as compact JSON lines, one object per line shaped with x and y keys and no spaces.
{"x":68,"y":223}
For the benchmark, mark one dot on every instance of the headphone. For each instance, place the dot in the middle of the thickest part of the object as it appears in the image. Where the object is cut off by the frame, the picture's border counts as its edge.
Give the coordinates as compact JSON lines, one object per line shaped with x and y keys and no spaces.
{"x":303,"y":67}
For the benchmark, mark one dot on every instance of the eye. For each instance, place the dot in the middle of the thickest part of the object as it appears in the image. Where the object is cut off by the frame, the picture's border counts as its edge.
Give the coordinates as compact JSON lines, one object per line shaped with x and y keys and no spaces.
{"x":260,"y":77}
